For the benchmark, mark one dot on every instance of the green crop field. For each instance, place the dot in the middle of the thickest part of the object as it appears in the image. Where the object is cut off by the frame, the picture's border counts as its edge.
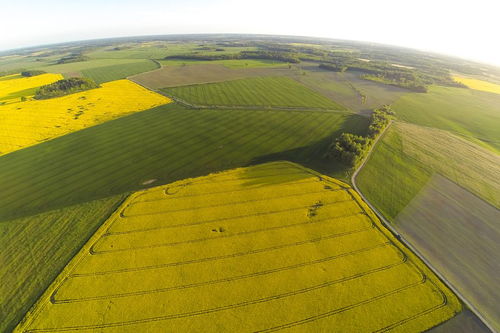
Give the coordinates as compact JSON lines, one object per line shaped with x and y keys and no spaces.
{"x":408,"y":155}
{"x":82,"y":65}
{"x":236,"y":63}
{"x":121,"y":71}
{"x":151,"y":52}
{"x":20,"y":62}
{"x":36,"y":248}
{"x":157,"y":146}
{"x":259,"y":91}
{"x":472,"y":114}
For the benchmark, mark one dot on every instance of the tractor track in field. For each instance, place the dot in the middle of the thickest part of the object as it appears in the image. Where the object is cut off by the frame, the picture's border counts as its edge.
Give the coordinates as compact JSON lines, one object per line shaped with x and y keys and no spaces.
{"x":406,"y":243}
{"x":55,"y":300}
{"x":421,"y":279}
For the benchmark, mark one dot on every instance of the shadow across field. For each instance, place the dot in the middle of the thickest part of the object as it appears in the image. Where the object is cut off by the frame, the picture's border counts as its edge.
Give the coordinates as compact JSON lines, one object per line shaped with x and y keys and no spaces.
{"x":311,"y":156}
{"x":167,"y":143}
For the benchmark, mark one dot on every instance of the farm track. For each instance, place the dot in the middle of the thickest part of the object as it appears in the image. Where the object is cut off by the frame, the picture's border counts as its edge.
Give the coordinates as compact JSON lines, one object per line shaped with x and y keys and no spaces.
{"x":367,"y":226}
{"x":388,"y":225}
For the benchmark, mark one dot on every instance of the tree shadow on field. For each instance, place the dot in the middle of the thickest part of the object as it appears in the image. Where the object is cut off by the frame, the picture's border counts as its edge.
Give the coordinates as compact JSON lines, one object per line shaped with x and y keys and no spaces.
{"x":310,"y":156}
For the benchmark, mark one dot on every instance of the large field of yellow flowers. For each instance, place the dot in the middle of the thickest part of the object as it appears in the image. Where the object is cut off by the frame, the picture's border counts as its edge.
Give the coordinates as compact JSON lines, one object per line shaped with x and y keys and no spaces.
{"x":261,"y":248}
{"x":26,"y":121}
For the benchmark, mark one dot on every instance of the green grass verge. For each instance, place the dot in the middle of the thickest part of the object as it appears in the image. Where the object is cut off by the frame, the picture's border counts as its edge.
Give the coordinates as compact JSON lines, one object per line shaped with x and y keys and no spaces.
{"x":258,"y":91}
{"x":166,"y":143}
{"x":408,"y":155}
{"x":472,"y":114}
{"x":36,"y":248}
{"x":116,"y":72}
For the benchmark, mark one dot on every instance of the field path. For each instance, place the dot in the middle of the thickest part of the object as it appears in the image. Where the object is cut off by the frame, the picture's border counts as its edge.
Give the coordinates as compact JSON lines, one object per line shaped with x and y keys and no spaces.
{"x":387,"y":224}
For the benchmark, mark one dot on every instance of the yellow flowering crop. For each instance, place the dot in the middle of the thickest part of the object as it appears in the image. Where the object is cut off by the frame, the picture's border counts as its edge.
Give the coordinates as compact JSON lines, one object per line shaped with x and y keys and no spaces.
{"x":261,"y":248}
{"x":13,"y":87}
{"x":27,"y":123}
{"x":478,"y":84}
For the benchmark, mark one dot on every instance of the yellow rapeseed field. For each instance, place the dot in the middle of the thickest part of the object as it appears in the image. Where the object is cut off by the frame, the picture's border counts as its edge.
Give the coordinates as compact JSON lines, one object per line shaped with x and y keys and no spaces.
{"x":262,"y":248}
{"x":27,"y":123}
{"x":478,"y":84}
{"x":14,"y":87}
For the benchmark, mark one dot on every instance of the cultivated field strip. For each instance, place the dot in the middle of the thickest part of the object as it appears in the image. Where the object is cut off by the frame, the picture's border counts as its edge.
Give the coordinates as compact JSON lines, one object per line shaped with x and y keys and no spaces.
{"x":264,"y":248}
{"x":164,"y":144}
{"x":254,"y":92}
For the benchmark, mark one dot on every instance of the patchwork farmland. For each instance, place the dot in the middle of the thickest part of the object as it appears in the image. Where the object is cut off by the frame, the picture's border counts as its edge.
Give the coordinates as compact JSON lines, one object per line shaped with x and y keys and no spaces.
{"x":478,"y":84}
{"x":438,"y":190}
{"x":121,"y":209}
{"x":118,"y":71}
{"x":165,"y":144}
{"x":298,"y":239}
{"x":262,"y":92}
{"x":14,"y":87}
{"x":33,"y":121}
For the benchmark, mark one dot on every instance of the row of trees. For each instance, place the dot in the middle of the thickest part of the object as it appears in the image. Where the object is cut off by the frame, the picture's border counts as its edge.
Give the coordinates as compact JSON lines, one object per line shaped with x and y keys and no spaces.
{"x":350,"y":149}
{"x":65,"y":87}
{"x":74,"y":57}
{"x":268,"y":55}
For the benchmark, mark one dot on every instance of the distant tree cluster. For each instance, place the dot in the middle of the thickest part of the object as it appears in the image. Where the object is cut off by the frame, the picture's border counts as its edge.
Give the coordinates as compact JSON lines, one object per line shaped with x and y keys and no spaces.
{"x":334,"y":67}
{"x":31,"y":73}
{"x":269,"y":55}
{"x":65,"y":87}
{"x":74,"y":57}
{"x":350,"y":149}
{"x":385,"y":72}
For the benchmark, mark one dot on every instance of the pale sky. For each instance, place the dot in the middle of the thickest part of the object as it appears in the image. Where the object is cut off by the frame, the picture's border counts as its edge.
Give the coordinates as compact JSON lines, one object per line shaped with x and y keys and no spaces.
{"x":468,"y":29}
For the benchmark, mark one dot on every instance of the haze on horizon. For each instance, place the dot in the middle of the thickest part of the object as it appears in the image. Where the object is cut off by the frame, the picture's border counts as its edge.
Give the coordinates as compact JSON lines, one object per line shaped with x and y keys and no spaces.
{"x":464,"y":29}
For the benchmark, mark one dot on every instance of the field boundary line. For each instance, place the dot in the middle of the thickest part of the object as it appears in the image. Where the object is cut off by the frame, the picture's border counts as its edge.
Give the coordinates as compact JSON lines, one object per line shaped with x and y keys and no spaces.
{"x":406,"y":243}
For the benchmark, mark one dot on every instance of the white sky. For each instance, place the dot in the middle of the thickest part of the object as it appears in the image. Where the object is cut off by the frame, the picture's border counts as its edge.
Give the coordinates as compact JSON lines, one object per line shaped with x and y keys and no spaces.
{"x":468,"y":29}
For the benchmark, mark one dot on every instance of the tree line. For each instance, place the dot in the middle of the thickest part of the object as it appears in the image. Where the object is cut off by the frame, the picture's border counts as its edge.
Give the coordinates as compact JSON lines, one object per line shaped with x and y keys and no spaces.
{"x":266,"y":55}
{"x":350,"y":149}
